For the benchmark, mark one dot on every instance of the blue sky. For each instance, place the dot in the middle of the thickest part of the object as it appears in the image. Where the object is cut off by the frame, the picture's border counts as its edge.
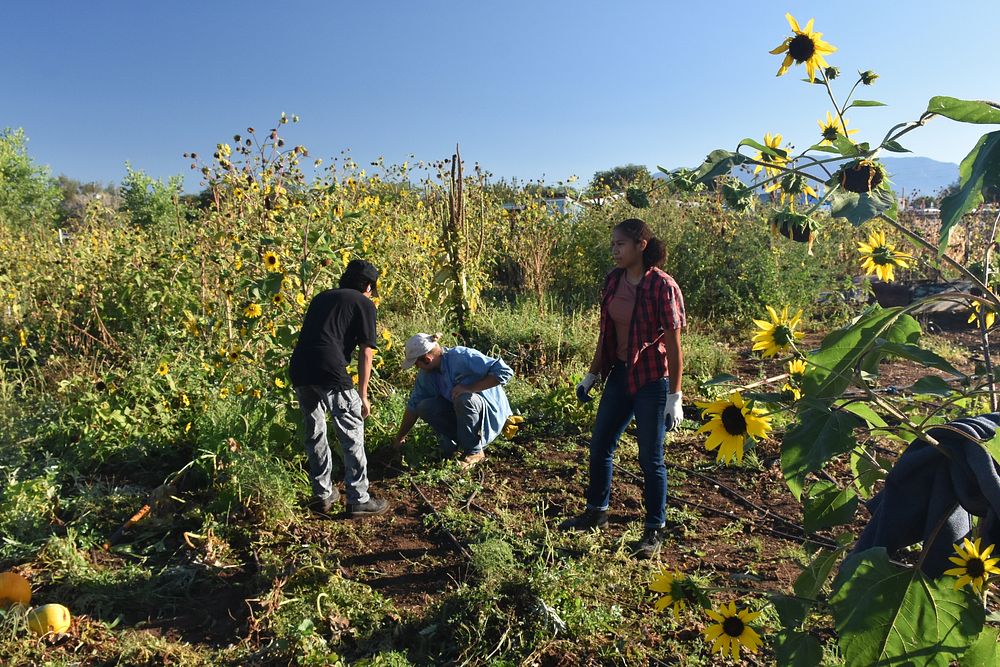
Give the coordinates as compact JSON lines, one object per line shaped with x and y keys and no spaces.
{"x":529,"y":89}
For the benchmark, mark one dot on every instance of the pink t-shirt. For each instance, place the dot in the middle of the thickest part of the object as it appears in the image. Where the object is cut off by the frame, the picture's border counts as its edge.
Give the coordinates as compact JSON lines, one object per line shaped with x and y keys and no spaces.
{"x":620,"y":309}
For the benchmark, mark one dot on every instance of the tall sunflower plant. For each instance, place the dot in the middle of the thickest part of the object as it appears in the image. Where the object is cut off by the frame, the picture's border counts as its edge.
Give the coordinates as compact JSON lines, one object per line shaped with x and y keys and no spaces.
{"x":884,"y":612}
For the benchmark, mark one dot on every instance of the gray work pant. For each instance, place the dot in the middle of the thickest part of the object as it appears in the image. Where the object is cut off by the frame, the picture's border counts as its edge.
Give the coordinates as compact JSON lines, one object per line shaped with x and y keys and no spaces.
{"x":344,"y":408}
{"x":458,"y":424}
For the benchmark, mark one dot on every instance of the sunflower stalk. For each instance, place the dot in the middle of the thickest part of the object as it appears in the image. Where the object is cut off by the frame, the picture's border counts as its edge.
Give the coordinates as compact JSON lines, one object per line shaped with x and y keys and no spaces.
{"x":933,"y":536}
{"x":833,"y":100}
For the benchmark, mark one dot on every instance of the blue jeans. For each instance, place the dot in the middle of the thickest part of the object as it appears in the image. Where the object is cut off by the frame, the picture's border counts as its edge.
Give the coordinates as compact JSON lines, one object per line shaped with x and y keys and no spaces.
{"x":617,"y":408}
{"x":457,"y":424}
{"x":344,"y":408}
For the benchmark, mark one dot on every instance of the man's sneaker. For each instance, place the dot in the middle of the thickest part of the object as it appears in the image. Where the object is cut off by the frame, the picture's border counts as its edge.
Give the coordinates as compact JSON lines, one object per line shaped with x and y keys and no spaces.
{"x":469,"y":461}
{"x":324,"y":505}
{"x":649,"y":544}
{"x":586,"y":521}
{"x":373,"y":507}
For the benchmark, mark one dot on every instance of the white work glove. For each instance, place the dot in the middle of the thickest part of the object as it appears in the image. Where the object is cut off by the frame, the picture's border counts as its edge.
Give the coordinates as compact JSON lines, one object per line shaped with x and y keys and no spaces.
{"x":675,"y":411}
{"x":583,"y":389}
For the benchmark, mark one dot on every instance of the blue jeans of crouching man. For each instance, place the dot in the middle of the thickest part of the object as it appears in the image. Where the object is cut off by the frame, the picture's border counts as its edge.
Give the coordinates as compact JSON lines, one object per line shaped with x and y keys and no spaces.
{"x":458,"y":424}
{"x":344,"y":408}
{"x":648,"y":407}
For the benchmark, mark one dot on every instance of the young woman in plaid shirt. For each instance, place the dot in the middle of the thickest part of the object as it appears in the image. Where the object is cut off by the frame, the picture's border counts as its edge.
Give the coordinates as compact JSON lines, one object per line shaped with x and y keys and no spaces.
{"x":639,"y":356}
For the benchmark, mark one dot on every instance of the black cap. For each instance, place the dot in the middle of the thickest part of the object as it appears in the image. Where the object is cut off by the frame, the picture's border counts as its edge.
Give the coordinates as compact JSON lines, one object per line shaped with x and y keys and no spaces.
{"x":360,"y":268}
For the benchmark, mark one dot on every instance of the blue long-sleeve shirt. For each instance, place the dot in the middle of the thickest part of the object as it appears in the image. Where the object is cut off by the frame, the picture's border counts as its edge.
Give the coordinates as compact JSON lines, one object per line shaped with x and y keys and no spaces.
{"x":464,"y":365}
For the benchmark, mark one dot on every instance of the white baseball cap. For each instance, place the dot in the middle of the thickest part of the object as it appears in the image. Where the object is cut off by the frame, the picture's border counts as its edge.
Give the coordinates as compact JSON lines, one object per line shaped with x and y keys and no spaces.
{"x":417,"y":346}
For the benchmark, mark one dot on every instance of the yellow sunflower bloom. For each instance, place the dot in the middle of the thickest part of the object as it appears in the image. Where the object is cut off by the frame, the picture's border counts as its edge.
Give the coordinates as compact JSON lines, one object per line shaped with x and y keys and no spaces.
{"x":974,"y":566}
{"x":732,"y":630}
{"x":831,"y":129}
{"x":804,"y":47}
{"x":778,"y":334}
{"x":991,"y":315}
{"x":797,"y":368}
{"x":880,"y":257}
{"x":674,"y":587}
{"x":253,"y":310}
{"x":777,"y":161}
{"x":279,"y":383}
{"x":163,"y":368}
{"x":271,"y":262}
{"x":732,"y":422}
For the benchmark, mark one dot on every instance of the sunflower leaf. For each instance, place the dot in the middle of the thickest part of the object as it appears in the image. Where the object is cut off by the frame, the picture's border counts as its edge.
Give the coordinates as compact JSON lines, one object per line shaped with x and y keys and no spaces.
{"x":865,"y":103}
{"x":933,"y":385}
{"x":860,"y":207}
{"x":724,"y":378}
{"x":832,"y":367}
{"x":864,"y":411}
{"x":826,"y":149}
{"x":797,"y":649}
{"x":791,"y":610}
{"x":766,"y":150}
{"x":965,"y":111}
{"x":846,"y":147}
{"x":868,"y":472}
{"x":817,"y":436}
{"x":920,"y":355}
{"x":809,"y":584}
{"x":979,"y":170}
{"x":985,"y":652}
{"x":993,"y":447}
{"x":889,"y":615}
{"x":827,"y":505}
{"x":717,"y":163}
{"x":895,"y":147}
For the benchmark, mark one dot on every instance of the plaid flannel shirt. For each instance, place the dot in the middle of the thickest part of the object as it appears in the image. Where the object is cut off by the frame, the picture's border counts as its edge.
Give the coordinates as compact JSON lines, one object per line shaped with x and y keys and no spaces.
{"x":659,"y":305}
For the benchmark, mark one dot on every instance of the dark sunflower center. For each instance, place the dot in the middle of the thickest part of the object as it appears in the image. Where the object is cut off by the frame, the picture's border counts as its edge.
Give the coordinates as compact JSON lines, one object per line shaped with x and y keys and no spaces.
{"x":801,"y":48}
{"x":271,"y":260}
{"x":882,"y":256}
{"x":975,"y":567}
{"x":861,"y":178}
{"x":782,"y":335}
{"x":733,"y":421}
{"x":733,"y":626}
{"x":830,"y":133}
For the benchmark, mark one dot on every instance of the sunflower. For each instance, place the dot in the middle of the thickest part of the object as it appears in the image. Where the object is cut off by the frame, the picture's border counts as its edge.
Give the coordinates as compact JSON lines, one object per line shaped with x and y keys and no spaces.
{"x":300,"y":299}
{"x":253,"y":310}
{"x":675,"y":587}
{"x":991,"y":315}
{"x":163,"y":368}
{"x":278,"y":299}
{"x":731,"y":423}
{"x":732,"y":630}
{"x":796,"y":369}
{"x":279,"y":383}
{"x":805,"y":46}
{"x":831,"y":129}
{"x":974,"y":566}
{"x":880,"y":257}
{"x":271,"y":262}
{"x":769,"y":160}
{"x":778,"y":334}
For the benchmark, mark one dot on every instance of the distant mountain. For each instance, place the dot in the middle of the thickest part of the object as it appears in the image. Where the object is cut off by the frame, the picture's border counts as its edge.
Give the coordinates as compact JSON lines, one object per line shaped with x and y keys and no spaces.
{"x":910,"y":176}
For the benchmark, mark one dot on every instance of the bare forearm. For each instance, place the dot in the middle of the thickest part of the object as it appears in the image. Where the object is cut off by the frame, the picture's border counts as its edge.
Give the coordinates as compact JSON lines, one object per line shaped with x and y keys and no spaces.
{"x":365,"y":355}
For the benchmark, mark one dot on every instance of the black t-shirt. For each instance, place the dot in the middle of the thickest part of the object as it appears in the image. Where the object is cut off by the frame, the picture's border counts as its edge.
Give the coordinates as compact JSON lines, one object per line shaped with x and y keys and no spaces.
{"x":336,"y":322}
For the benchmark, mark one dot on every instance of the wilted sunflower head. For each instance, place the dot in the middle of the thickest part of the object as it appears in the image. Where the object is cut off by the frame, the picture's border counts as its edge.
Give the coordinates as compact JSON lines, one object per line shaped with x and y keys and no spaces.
{"x":795,"y":226}
{"x":738,"y":197}
{"x":804,"y":47}
{"x":862,"y":176}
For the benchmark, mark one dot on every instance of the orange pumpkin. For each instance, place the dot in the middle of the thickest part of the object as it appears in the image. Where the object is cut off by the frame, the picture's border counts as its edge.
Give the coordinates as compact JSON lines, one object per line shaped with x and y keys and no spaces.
{"x":14,"y":589}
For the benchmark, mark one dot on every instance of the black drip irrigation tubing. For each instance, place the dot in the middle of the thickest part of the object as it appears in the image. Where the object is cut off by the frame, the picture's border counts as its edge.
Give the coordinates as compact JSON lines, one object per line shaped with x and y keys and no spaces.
{"x":802,"y":539}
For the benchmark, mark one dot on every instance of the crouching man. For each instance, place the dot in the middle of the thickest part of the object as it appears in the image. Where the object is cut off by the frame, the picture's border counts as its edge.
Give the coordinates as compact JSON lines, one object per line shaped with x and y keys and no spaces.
{"x":459,"y":393}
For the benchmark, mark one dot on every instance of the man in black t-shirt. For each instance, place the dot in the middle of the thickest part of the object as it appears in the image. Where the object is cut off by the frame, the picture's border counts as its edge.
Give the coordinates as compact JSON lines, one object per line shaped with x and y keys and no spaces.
{"x":336,"y":322}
